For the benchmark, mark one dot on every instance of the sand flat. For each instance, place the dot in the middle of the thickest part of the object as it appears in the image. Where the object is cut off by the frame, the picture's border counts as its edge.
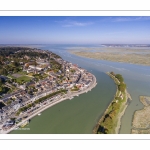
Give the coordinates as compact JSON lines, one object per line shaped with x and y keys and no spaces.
{"x":141,"y":119}
{"x":127,"y":55}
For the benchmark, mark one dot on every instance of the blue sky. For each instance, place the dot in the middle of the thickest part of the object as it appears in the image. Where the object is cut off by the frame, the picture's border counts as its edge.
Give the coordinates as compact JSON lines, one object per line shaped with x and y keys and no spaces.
{"x":74,"y":30}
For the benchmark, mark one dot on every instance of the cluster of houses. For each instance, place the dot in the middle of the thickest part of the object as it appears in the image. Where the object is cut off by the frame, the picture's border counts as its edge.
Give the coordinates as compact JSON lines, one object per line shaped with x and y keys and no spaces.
{"x":8,"y":124}
{"x":41,"y":65}
{"x":17,"y":100}
{"x":72,"y":76}
{"x":86,"y":80}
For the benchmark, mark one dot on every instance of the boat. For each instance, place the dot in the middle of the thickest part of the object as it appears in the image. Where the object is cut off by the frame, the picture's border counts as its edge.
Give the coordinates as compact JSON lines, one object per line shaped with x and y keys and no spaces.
{"x":71,"y":98}
{"x":39,"y":114}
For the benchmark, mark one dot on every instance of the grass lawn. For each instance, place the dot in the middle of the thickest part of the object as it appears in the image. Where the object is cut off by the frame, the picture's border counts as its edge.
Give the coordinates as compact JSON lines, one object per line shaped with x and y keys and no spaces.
{"x":39,"y":76}
{"x":12,"y":77}
{"x":23,"y":78}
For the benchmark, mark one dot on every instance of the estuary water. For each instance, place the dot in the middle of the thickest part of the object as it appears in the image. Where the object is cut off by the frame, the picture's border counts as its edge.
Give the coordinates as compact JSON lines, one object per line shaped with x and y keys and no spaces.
{"x":81,"y":114}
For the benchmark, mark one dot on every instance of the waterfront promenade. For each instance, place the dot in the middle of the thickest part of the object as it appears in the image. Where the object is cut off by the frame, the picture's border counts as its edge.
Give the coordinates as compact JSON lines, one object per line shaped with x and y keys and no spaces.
{"x":50,"y":104}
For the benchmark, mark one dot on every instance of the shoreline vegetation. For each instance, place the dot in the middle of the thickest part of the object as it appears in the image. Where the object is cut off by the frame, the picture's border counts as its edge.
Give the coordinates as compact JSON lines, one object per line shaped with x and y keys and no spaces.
{"x":110,"y":122}
{"x":141,"y":118}
{"x":125,"y":55}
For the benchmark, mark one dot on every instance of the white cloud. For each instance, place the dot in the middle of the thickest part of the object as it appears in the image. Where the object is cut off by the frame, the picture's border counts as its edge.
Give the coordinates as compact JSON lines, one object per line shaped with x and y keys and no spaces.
{"x":70,"y":23}
{"x":125,"y":19}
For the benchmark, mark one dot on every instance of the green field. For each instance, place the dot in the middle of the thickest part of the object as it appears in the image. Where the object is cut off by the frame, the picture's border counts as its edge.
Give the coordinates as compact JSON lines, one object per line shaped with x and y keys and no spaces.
{"x":10,"y":76}
{"x":23,"y":78}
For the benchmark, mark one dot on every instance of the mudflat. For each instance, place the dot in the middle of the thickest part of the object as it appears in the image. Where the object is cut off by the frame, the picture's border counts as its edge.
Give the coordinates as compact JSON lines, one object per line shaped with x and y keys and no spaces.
{"x":128,"y":55}
{"x":141,"y":118}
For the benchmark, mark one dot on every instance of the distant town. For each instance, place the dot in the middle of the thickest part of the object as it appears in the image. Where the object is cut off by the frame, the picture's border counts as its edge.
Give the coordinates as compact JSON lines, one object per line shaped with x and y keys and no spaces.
{"x":31,"y":80}
{"x":126,"y":45}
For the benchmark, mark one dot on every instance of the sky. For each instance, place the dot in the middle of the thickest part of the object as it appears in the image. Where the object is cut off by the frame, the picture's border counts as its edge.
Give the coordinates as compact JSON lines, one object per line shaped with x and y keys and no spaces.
{"x":74,"y":30}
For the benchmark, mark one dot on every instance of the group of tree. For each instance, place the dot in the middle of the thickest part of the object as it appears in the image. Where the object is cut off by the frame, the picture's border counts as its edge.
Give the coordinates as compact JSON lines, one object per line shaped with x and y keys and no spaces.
{"x":55,"y":65}
{"x":3,"y":71}
{"x":122,"y":85}
{"x":112,"y":73}
{"x":6,"y":51}
{"x":3,"y":89}
{"x":119,"y":77}
{"x":108,"y":123}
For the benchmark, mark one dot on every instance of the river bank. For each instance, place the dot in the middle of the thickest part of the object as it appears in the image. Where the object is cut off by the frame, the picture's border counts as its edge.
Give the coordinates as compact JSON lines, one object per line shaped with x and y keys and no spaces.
{"x":89,"y":88}
{"x":110,"y":122}
{"x":141,"y":118}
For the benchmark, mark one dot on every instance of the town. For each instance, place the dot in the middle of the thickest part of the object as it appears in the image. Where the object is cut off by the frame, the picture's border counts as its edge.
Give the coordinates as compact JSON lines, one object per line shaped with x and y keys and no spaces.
{"x":32,"y":80}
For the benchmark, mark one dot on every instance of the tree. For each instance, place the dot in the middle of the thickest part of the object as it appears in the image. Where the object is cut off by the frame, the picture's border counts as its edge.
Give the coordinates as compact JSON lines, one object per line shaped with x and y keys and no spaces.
{"x":16,"y":64}
{"x":1,"y":81}
{"x":118,"y":98}
{"x":1,"y":88}
{"x":22,"y":81}
{"x":15,"y":80}
{"x":122,"y":87}
{"x":102,"y":130}
{"x":112,"y":114}
{"x":3,"y":71}
{"x":119,"y":77}
{"x":108,"y":123}
{"x":112,"y":73}
{"x":9,"y":102}
{"x":115,"y":106}
{"x":12,"y":119}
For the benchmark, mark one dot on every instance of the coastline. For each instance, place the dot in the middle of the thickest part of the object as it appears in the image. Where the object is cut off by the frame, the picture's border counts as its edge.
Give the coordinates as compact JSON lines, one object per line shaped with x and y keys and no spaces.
{"x":93,"y":84}
{"x":120,"y":113}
